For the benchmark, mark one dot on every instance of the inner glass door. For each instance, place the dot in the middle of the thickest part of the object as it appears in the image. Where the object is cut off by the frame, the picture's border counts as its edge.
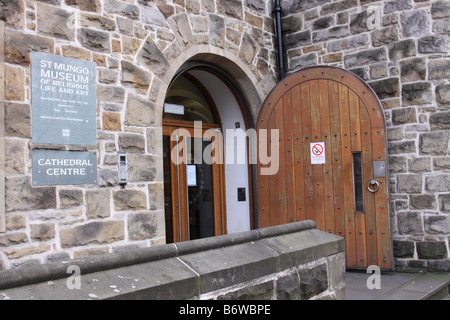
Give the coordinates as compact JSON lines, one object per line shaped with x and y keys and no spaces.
{"x":193,"y":188}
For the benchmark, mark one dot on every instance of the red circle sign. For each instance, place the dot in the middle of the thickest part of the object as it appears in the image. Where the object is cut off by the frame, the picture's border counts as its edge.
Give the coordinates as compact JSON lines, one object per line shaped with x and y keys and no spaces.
{"x":317,"y":149}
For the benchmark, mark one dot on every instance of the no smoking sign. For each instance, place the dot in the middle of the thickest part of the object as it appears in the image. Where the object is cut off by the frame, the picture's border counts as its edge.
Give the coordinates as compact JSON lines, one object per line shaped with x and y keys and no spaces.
{"x":318,"y":153}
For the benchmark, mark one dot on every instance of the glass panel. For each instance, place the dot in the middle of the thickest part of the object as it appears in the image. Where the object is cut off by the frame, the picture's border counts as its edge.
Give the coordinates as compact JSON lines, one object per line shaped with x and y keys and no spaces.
{"x":200,"y":197}
{"x":167,"y":189}
{"x":187,"y":100}
{"x":357,"y":173}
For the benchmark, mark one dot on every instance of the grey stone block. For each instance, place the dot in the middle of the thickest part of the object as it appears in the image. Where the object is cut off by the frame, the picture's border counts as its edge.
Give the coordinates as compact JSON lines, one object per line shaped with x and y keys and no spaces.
{"x":438,"y":69}
{"x":301,"y":5}
{"x":388,"y":88}
{"x":440,"y":121}
{"x":413,"y":69}
{"x":403,"y":249}
{"x":434,"y":143}
{"x":288,"y":287}
{"x":151,"y":56}
{"x":298,"y":39}
{"x":365,"y":57}
{"x":122,"y":8}
{"x":397,"y":5}
{"x":313,"y":281}
{"x":223,"y":267}
{"x":437,"y":224}
{"x":94,"y":39}
{"x":55,"y":22}
{"x":404,"y":115}
{"x":21,"y":196}
{"x":402,"y":49}
{"x":348,"y":43}
{"x":444,"y":202}
{"x":232,"y":8}
{"x":422,"y":201}
{"x":133,"y":143}
{"x":292,"y":23}
{"x":262,"y":291}
{"x":414,"y":23}
{"x":331,"y":33}
{"x":431,"y":250}
{"x":433,"y":44}
{"x":440,"y":9}
{"x":402,"y":147}
{"x":443,"y":94}
{"x":304,"y":61}
{"x":130,"y":200}
{"x":410,"y":223}
{"x":438,"y":183}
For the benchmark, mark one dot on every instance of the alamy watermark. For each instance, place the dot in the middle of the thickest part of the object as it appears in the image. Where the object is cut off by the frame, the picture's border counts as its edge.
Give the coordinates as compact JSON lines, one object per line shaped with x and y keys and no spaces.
{"x":74,"y":281}
{"x":228,"y":148}
{"x":374,"y":281}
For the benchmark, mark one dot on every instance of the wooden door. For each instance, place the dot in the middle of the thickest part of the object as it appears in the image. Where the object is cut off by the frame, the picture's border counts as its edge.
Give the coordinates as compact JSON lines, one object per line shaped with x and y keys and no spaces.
{"x":194,"y":199}
{"x":330,"y":107}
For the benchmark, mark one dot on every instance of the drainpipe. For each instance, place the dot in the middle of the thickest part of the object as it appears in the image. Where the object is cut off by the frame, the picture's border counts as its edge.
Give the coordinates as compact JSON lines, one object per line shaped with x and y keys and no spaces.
{"x":277,"y":11}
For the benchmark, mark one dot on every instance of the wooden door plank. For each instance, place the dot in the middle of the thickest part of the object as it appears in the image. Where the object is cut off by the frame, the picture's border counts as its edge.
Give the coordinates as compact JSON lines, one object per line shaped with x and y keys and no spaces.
{"x":289,"y":156}
{"x":263,"y":180}
{"x":327,"y":169}
{"x":369,"y":198}
{"x":307,"y":168}
{"x":282,"y":190}
{"x":264,"y":147}
{"x":355,"y":122}
{"x":347,"y":176}
{"x":336,"y":156}
{"x":298,"y":153}
{"x":273,"y":181}
{"x":381,"y":202}
{"x":317,"y":168}
{"x":360,"y":235}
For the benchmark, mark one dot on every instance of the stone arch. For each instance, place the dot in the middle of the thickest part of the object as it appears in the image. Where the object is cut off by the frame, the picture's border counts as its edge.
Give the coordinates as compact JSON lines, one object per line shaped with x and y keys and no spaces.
{"x":253,"y":90}
{"x":248,"y":61}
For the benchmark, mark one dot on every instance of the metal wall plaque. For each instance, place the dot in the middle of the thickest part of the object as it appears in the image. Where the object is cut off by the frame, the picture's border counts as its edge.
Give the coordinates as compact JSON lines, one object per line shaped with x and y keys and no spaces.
{"x":63,"y":100}
{"x":52,"y":167}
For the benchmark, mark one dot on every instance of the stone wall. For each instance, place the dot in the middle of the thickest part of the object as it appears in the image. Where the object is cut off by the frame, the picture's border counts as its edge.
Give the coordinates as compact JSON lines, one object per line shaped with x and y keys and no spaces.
{"x":137,"y":46}
{"x":405,"y":57}
{"x":287,"y":262}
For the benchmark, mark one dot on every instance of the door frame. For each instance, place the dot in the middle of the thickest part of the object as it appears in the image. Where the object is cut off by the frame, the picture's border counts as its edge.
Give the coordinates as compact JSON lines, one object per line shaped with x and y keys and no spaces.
{"x":375,"y":114}
{"x":180,"y":223}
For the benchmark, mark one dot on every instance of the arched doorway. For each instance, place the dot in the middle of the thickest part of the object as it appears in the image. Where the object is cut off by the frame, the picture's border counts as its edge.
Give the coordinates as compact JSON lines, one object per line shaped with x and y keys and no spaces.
{"x":204,"y":195}
{"x":332,"y":161}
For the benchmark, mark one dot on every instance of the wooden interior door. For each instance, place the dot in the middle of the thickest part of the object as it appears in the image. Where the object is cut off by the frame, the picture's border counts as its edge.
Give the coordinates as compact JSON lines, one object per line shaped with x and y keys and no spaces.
{"x":348,"y":193}
{"x":194,"y":199}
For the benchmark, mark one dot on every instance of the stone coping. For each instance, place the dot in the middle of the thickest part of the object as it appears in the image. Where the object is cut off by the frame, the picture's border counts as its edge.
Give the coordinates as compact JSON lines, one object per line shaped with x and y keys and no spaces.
{"x":28,"y":275}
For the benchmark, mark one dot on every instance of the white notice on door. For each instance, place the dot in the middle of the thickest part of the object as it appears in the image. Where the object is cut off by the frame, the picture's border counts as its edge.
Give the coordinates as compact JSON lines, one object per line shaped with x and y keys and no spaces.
{"x":191,"y":172}
{"x":318,"y":153}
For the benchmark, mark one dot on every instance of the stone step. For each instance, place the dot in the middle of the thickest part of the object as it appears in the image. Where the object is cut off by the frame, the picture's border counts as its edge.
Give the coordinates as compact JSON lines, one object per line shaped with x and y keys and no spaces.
{"x":441,"y":293}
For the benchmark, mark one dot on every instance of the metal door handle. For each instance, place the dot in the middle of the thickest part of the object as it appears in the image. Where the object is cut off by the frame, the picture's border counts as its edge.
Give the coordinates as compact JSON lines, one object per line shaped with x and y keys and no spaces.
{"x":373,"y":183}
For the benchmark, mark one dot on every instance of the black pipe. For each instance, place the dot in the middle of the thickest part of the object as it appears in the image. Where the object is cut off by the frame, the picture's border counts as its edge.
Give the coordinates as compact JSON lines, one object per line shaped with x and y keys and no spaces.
{"x":277,"y":11}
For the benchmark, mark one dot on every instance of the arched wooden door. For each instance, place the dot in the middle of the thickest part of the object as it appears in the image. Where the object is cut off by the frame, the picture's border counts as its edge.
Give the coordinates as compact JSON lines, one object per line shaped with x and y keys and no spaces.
{"x":332,"y":162}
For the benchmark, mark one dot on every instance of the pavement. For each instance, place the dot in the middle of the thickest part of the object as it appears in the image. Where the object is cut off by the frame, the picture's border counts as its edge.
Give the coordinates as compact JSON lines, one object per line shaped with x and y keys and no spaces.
{"x":398,"y":286}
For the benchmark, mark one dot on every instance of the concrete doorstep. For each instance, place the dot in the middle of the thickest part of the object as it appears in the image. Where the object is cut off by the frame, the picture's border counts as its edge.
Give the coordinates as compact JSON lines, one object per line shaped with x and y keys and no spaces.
{"x":397,"y":286}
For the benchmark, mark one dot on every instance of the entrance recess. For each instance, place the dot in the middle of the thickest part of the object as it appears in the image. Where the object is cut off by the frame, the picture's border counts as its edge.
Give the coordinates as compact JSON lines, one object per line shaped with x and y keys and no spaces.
{"x":332,"y":162}
{"x":193,"y":184}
